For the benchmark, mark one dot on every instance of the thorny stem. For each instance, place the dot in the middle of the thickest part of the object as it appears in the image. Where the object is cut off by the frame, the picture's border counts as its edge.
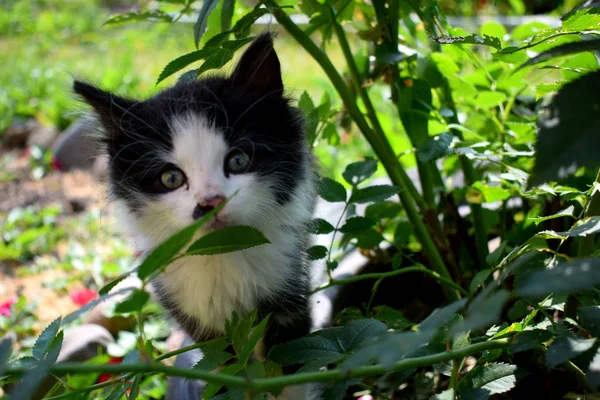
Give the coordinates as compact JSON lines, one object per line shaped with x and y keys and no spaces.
{"x":380,"y":144}
{"x":266,"y":384}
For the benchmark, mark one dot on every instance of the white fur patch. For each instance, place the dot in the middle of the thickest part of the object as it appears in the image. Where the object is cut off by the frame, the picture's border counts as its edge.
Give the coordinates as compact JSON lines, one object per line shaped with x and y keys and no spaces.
{"x":209,"y":288}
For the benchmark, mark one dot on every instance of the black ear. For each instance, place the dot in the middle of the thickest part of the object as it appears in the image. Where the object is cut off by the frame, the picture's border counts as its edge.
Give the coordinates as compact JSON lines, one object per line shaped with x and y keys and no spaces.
{"x":110,"y":108}
{"x":259,"y":70}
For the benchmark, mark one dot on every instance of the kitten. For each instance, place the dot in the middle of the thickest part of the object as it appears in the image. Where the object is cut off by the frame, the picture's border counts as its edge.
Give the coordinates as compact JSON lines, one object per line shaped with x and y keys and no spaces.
{"x":176,"y":156}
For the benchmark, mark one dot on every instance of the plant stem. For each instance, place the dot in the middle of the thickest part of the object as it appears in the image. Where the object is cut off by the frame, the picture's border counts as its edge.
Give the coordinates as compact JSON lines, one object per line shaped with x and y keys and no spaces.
{"x":266,"y":384}
{"x":587,"y":243}
{"x":388,"y":274}
{"x":380,"y":145}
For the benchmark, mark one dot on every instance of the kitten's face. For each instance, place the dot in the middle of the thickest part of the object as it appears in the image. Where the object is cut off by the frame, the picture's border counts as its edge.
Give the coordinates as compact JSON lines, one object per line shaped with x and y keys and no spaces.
{"x":176,"y":156}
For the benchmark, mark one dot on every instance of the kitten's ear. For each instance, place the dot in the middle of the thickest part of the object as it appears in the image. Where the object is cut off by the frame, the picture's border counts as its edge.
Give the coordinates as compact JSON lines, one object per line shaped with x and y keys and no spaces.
{"x":110,"y":108}
{"x":259,"y":70}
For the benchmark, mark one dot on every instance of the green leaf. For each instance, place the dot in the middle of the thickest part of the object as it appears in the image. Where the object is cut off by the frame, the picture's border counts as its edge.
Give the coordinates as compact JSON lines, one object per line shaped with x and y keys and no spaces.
{"x":227,"y":240}
{"x":212,"y":360}
{"x":435,"y":147}
{"x":356,"y":332}
{"x":42,"y":344}
{"x":488,"y":99}
{"x":356,"y":225}
{"x":5,"y":352}
{"x":484,"y":310}
{"x":561,"y":149}
{"x":332,"y":191}
{"x":305,"y":349}
{"x":414,"y":106}
{"x":528,"y":340}
{"x":181,"y":62}
{"x":563,"y":50}
{"x":567,"y":212}
{"x":567,"y":347}
{"x":317,"y":252}
{"x":154,"y":16}
{"x":580,"y":274}
{"x":478,"y":280}
{"x":243,"y":25}
{"x":321,"y":227}
{"x":383,"y":210}
{"x":480,"y":192}
{"x":164,"y":252}
{"x":212,"y":388}
{"x":311,"y":119}
{"x":391,"y":317}
{"x":488,"y":379}
{"x":110,"y":285}
{"x":223,"y":55}
{"x":402,"y":233}
{"x":246,"y":352}
{"x":470,"y":39}
{"x":227,"y":14}
{"x":75,"y":314}
{"x":369,"y":239}
{"x":493,"y":29}
{"x":360,"y":171}
{"x":134,"y":302}
{"x":200,"y":26}
{"x":590,"y":319}
{"x":441,"y":316}
{"x":373,"y":193}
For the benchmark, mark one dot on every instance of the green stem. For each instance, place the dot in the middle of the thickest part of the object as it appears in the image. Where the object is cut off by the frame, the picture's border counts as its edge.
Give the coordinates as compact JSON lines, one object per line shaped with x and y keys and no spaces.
{"x":379,"y":275}
{"x":379,"y":144}
{"x":587,"y":243}
{"x":266,"y":384}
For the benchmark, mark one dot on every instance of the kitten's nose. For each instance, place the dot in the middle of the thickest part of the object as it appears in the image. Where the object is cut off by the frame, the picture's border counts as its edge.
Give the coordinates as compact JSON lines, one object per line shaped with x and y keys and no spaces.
{"x":206,"y":206}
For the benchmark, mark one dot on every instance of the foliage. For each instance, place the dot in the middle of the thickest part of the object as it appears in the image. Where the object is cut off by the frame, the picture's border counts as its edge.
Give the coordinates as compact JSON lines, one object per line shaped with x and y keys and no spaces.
{"x":470,"y":105}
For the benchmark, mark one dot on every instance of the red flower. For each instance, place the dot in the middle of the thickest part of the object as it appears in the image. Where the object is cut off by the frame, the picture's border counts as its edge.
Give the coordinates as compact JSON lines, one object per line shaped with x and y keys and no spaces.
{"x":106,"y":376}
{"x":83,"y":296}
{"x":57,"y":165}
{"x":6,"y":307}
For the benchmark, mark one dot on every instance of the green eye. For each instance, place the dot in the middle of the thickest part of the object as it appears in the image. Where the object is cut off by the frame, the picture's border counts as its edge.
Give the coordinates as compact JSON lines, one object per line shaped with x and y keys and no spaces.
{"x":237,"y":162}
{"x":172,"y":179}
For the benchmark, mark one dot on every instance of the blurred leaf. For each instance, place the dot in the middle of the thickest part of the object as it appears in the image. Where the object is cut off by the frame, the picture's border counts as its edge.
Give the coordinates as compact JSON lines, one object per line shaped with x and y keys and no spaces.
{"x":435,"y":147}
{"x":489,"y":193}
{"x":213,"y":354}
{"x":492,"y":28}
{"x":369,"y":239}
{"x":227,"y":14}
{"x":402,"y":233}
{"x":486,"y":380}
{"x":358,"y":172}
{"x":356,"y":332}
{"x":164,"y":252}
{"x":484,"y":310}
{"x":75,"y":314}
{"x":590,"y":319}
{"x":42,"y":344}
{"x":332,"y":191}
{"x":212,"y":388}
{"x":5,"y":352}
{"x":383,"y":210}
{"x":155,"y":15}
{"x":562,"y":50}
{"x":305,"y":349}
{"x":373,"y":193}
{"x":414,"y":105}
{"x":246,"y":352}
{"x":488,"y":99}
{"x":356,"y":225}
{"x":470,"y":39}
{"x":445,"y":395}
{"x":441,"y":316}
{"x":311,"y":119}
{"x":227,"y":240}
{"x":580,"y":274}
{"x":564,"y":348}
{"x":110,"y":285}
{"x":200,"y":26}
{"x":567,"y":212}
{"x":321,"y":227}
{"x":528,"y":340}
{"x":478,"y":280}
{"x":317,"y":252}
{"x":133,"y":303}
{"x":560,"y":149}
{"x":391,"y":317}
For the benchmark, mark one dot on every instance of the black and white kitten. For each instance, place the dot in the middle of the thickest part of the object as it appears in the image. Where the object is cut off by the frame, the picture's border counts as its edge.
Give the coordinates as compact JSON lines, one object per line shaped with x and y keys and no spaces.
{"x":177,"y":155}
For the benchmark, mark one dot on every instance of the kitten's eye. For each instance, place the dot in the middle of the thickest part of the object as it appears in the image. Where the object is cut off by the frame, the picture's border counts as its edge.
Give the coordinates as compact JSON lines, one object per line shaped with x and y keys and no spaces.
{"x":172,"y":179}
{"x":237,"y":162}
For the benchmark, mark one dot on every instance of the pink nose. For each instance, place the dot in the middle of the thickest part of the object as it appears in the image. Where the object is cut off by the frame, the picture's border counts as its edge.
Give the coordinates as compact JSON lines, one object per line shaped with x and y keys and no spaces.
{"x":212,"y":202}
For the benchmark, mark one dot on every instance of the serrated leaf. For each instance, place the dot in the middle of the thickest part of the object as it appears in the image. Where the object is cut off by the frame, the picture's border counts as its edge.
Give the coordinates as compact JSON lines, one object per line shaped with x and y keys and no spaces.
{"x":246,"y":352}
{"x":470,"y":39}
{"x":243,"y":25}
{"x":332,"y":191}
{"x":567,"y":347}
{"x":484,"y":310}
{"x":212,"y":360}
{"x":563,"y":50}
{"x":134,"y":302}
{"x":577,"y":275}
{"x":488,"y":379}
{"x":368,"y":239}
{"x":305,"y":349}
{"x":590,"y":319}
{"x":356,"y":225}
{"x":110,"y":285}
{"x":5,"y":352}
{"x":164,"y":252}
{"x":435,"y":147}
{"x":155,"y":15}
{"x":213,"y":388}
{"x":561,"y":149}
{"x":227,"y":240}
{"x":181,"y":62}
{"x":317,"y":252}
{"x":356,"y":332}
{"x":42,"y":344}
{"x":373,"y":193}
{"x":358,"y":172}
{"x":200,"y":26}
{"x":528,"y":340}
{"x":321,"y":227}
{"x":567,"y":212}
